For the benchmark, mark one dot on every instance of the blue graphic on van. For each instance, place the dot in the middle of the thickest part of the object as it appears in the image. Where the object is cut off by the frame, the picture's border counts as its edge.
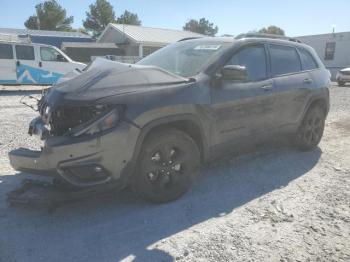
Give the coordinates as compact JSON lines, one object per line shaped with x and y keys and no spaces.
{"x":31,"y":75}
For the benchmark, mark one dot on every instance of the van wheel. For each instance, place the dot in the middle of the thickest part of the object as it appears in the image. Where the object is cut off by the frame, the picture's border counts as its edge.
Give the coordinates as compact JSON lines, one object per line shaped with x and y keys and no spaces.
{"x":167,"y":164}
{"x":311,"y":129}
{"x":341,"y":83}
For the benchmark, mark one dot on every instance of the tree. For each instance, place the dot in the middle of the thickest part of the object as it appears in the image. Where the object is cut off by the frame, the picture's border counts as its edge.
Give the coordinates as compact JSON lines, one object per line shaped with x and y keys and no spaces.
{"x":129,"y":18}
{"x":100,"y":15}
{"x":49,"y":16}
{"x":203,"y":26}
{"x":272,"y":29}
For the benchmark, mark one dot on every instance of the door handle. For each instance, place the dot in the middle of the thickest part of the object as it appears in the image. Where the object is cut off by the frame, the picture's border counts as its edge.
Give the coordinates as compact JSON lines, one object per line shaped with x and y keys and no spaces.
{"x":267,"y":87}
{"x":307,"y":81}
{"x":18,"y":63}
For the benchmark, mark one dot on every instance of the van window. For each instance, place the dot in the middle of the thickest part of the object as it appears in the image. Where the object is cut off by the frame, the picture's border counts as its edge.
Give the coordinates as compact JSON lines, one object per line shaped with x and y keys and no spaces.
{"x":284,"y":60}
{"x":6,"y":51}
{"x":50,"y":54}
{"x":25,"y":52}
{"x":307,"y":61}
{"x":253,"y":58}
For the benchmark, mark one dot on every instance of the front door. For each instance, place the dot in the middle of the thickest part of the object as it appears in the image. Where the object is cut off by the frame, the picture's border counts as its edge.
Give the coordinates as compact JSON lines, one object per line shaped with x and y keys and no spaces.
{"x":53,"y":64}
{"x":26,"y":65}
{"x":7,"y":65}
{"x":244,"y":109}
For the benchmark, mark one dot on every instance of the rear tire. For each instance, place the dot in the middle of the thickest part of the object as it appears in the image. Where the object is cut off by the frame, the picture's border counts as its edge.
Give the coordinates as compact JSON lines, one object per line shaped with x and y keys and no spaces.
{"x":167,"y":164}
{"x":341,"y":83}
{"x":311,"y":129}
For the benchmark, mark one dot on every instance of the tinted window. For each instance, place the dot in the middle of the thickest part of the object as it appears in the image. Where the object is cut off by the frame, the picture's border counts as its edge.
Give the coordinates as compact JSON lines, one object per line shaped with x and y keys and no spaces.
{"x":253,"y":58}
{"x":307,"y":61}
{"x":284,"y":60}
{"x":50,"y":54}
{"x":6,"y":51}
{"x":25,"y":52}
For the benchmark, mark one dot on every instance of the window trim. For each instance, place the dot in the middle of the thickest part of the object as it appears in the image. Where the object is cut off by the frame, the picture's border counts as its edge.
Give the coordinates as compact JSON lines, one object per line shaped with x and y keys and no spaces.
{"x":286,"y":74}
{"x":252,"y":44}
{"x":299,"y":49}
{"x":34,"y":59}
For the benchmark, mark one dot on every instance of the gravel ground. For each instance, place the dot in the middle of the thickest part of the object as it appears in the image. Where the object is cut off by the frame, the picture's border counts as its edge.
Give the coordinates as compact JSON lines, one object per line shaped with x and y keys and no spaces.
{"x":276,"y":204}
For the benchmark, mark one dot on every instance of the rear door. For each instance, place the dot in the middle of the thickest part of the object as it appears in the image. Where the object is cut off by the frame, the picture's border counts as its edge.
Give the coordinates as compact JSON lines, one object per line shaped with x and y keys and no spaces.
{"x":244,"y":109}
{"x":7,"y":64}
{"x":53,"y":63}
{"x":27,"y":67}
{"x":292,"y":84}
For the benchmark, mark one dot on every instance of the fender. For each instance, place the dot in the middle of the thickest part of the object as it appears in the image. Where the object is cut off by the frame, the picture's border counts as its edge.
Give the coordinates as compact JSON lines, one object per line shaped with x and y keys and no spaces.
{"x":322,"y":96}
{"x":163,"y":122}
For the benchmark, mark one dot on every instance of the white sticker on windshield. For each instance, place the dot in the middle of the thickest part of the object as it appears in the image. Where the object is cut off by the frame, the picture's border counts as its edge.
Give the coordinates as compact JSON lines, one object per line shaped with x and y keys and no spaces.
{"x":207,"y":47}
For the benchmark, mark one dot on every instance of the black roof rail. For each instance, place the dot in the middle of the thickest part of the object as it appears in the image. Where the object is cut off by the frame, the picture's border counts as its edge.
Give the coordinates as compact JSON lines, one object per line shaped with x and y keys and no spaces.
{"x":272,"y":36}
{"x":189,"y":38}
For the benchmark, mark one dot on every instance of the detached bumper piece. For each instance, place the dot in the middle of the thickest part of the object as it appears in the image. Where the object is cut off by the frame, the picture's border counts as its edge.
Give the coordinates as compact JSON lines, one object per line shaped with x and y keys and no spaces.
{"x":52,"y":195}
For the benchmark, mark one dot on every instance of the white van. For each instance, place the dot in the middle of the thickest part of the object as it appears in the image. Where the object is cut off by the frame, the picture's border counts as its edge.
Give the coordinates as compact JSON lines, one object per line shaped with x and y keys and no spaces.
{"x":29,"y":63}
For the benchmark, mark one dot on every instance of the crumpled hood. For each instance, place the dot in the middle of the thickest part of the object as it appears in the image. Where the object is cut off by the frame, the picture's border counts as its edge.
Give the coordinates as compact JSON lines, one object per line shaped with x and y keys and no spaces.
{"x":105,"y":78}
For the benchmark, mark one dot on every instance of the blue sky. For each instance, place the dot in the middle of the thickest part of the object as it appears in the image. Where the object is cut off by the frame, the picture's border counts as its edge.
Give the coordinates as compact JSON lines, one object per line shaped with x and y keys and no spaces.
{"x":298,"y":17}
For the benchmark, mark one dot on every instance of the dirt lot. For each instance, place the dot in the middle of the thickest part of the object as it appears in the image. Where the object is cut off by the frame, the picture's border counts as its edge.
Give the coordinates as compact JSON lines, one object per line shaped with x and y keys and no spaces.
{"x":277,"y":204}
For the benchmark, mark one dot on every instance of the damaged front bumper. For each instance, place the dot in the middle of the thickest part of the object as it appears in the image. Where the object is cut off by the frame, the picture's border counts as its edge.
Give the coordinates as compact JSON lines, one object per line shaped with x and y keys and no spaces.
{"x":80,"y":161}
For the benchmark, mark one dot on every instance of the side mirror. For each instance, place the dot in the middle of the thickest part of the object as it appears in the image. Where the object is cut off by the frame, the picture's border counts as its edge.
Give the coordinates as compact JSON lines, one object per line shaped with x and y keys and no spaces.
{"x":60,"y":58}
{"x":234,"y":72}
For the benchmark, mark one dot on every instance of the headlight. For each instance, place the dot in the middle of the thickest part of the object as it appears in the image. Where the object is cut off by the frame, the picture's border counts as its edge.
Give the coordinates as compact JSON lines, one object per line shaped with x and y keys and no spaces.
{"x":103,"y":123}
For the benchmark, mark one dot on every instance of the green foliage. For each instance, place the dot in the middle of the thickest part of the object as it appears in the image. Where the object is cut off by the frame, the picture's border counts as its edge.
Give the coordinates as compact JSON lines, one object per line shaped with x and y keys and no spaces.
{"x":49,"y":16}
{"x":275,"y":30}
{"x":129,"y":19}
{"x":203,"y":26}
{"x":99,"y":16}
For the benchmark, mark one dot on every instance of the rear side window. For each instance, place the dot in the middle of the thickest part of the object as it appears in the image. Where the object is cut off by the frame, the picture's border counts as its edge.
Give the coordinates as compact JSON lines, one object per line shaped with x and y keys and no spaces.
{"x":6,"y":51}
{"x":25,"y":52}
{"x":307,"y":60}
{"x":253,"y":58}
{"x":284,"y":60}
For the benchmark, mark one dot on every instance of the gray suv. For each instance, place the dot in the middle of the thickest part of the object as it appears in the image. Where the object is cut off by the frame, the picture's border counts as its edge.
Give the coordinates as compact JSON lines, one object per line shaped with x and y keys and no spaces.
{"x":150,"y":125}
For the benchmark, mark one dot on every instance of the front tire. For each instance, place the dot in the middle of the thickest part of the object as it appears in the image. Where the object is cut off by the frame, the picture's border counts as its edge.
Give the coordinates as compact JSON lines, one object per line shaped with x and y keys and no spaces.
{"x":311,"y":129}
{"x":168,"y":161}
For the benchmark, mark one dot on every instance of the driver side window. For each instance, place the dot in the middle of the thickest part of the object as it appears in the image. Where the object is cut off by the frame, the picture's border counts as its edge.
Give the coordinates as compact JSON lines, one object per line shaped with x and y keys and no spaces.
{"x":50,"y":54}
{"x":253,"y":58}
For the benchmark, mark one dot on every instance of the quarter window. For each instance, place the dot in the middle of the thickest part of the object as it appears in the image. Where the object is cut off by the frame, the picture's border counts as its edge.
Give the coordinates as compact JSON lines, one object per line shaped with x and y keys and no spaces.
{"x":6,"y":51}
{"x":50,"y":54}
{"x":284,"y":60}
{"x":330,"y":50}
{"x":307,"y":61}
{"x":25,"y":52}
{"x":253,"y":58}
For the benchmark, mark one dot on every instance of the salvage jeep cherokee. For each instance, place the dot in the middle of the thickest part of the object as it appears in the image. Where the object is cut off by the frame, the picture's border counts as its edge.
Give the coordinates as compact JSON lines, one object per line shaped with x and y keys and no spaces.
{"x":150,"y":125}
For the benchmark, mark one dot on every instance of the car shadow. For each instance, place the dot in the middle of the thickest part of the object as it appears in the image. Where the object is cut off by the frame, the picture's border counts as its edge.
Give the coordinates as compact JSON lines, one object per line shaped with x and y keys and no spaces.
{"x":119,"y":226}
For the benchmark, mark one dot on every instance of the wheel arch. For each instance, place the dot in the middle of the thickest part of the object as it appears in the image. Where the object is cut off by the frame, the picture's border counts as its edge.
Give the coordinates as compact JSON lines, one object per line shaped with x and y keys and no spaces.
{"x":187,"y":123}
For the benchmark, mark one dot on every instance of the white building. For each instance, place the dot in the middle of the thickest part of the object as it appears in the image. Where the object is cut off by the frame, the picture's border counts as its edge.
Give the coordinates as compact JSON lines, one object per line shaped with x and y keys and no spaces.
{"x":141,"y":41}
{"x":333,"y":49}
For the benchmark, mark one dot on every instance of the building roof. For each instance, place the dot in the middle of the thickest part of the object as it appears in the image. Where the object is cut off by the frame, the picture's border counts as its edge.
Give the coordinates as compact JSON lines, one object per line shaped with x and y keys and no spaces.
{"x":13,"y":31}
{"x":88,"y":45}
{"x":337,"y":34}
{"x":151,"y":35}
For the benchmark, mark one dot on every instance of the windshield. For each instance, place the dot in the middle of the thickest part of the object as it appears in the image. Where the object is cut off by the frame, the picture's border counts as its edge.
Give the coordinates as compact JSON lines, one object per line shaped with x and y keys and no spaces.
{"x":185,"y":58}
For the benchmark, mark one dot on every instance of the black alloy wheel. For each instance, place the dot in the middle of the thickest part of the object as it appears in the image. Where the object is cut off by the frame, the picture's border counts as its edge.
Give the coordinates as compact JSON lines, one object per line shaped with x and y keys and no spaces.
{"x":167,"y":164}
